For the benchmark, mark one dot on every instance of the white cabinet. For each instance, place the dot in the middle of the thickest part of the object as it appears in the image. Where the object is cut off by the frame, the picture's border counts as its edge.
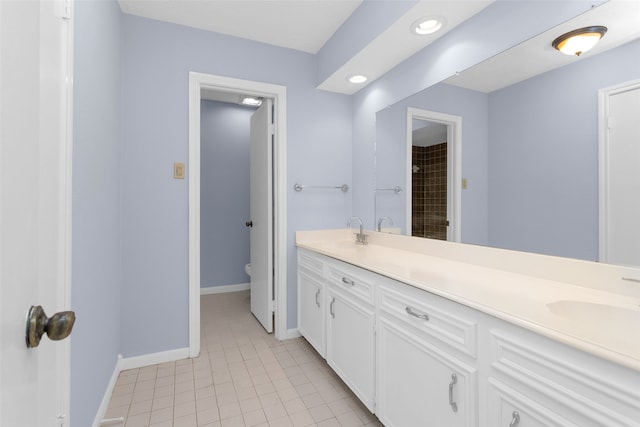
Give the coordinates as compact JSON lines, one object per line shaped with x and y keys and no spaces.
{"x":421,"y":380}
{"x":311,"y":300}
{"x":417,"y":359}
{"x":350,"y":345}
{"x":534,"y":381}
{"x":311,"y":310}
{"x":350,"y":329}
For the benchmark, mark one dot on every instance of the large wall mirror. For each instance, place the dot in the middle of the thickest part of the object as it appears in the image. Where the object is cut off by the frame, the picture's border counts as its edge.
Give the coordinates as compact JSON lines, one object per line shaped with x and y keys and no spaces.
{"x":531,"y":168}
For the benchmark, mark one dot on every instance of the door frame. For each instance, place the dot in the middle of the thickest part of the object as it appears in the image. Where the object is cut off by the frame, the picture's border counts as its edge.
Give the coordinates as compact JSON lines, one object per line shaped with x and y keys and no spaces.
{"x":454,"y":167}
{"x":604,"y":96}
{"x":198,"y":82}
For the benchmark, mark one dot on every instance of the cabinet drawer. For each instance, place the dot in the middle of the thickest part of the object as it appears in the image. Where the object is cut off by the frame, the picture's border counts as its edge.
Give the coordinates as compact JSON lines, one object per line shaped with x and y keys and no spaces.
{"x":509,"y":408}
{"x":568,"y":381}
{"x":421,"y":314}
{"x":310,"y":262}
{"x":352,"y":280}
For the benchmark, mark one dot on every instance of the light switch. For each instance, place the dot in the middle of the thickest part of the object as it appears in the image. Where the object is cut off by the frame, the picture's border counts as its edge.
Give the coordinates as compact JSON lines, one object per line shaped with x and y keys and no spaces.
{"x":178,"y":170}
{"x":464,"y":183}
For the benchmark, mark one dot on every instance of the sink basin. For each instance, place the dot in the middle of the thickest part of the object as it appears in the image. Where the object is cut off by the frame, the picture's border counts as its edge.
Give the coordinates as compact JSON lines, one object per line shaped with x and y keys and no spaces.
{"x":590,"y":313}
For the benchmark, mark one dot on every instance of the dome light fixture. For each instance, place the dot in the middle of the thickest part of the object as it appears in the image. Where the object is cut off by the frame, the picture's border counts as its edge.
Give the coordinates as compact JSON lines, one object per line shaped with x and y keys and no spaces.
{"x":579,"y":41}
{"x":428,"y":25}
{"x":357,"y":79}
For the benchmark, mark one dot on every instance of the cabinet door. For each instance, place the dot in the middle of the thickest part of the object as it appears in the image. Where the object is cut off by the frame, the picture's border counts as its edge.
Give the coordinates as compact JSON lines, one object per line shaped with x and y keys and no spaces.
{"x":350,"y":344}
{"x":311,"y":317}
{"x":419,"y":385}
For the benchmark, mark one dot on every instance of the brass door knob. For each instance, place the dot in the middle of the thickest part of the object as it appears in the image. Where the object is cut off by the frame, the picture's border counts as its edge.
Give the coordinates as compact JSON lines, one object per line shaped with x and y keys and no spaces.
{"x":57,"y":327}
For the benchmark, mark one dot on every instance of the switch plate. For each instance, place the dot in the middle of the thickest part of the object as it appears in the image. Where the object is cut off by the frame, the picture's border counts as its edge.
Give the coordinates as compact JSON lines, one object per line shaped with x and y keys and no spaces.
{"x":178,"y":170}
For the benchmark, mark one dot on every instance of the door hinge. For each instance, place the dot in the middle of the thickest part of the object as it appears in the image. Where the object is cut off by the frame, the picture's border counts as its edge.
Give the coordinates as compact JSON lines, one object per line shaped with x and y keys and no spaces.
{"x":64,"y":9}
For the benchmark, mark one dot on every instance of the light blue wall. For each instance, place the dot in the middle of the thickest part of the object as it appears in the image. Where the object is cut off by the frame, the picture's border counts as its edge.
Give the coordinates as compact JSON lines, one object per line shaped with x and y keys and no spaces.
{"x":157,"y":58}
{"x":543,"y":156}
{"x":96,"y":273}
{"x":391,"y":154}
{"x":224,"y":189}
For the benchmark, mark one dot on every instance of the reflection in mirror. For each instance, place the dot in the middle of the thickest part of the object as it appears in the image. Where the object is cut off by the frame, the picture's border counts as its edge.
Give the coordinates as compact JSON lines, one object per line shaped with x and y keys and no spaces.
{"x":530,"y":148}
{"x":433,"y":174}
{"x":429,"y":179}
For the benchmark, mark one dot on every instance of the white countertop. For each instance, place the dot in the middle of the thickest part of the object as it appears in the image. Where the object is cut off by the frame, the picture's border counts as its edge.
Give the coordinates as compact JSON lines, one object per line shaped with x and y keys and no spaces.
{"x":606,"y":324}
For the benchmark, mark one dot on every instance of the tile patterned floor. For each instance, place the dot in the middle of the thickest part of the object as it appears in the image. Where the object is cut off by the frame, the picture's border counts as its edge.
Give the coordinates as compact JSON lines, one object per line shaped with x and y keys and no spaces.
{"x":243,"y":378}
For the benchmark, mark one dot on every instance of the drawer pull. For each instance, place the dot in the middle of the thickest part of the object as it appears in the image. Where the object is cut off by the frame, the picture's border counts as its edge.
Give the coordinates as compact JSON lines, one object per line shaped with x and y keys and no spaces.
{"x":317,"y":294}
{"x":348,"y":281}
{"x":333,"y":313}
{"x":454,"y":405}
{"x":415,"y":314}
{"x":515,"y":419}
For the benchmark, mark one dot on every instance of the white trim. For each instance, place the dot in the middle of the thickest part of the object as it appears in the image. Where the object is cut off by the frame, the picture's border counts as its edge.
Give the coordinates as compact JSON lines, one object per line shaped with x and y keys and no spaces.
{"x":66,"y":190}
{"x":603,"y":162}
{"x":292,"y":333}
{"x":126,"y":363}
{"x":222,"y":289}
{"x":454,"y":168}
{"x":104,"y":405}
{"x":197,"y":82}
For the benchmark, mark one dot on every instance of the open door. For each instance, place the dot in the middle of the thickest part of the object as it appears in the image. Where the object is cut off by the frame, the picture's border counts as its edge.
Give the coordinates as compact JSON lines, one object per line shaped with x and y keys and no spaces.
{"x":619,"y":174}
{"x":34,"y":211}
{"x":261,"y":210}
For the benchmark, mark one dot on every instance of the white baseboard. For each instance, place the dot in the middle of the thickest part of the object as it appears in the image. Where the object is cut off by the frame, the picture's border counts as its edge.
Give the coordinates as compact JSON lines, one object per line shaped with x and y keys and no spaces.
{"x":292,"y":333}
{"x":153,"y":358}
{"x":104,"y":405}
{"x":225,"y":288}
{"x":126,"y":363}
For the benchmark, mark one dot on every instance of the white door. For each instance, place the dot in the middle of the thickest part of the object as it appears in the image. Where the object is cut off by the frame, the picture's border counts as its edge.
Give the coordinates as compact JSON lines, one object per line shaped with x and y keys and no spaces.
{"x":622,"y":189}
{"x":261,"y":210}
{"x":35,"y":101}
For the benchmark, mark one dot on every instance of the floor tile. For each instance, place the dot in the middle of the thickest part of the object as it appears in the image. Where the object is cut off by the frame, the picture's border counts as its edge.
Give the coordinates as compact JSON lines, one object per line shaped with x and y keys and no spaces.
{"x":243,"y":378}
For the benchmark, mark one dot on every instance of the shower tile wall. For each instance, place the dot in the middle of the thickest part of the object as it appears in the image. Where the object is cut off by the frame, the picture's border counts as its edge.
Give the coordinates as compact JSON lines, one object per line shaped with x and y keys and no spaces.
{"x":429,"y":197}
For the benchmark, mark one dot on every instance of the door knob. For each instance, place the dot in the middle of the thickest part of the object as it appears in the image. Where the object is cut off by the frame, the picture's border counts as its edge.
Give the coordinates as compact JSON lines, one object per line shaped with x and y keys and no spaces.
{"x":57,"y":327}
{"x":248,"y":224}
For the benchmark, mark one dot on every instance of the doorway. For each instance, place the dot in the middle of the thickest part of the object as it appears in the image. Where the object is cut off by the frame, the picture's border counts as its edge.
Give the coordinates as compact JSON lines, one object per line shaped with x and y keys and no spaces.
{"x":619,"y":175}
{"x":433,"y":175}
{"x":200,"y":84}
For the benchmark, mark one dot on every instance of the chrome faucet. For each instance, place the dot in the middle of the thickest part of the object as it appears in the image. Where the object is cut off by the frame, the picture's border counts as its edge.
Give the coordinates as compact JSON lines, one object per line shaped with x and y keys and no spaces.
{"x":361,"y":238}
{"x":382,"y":219}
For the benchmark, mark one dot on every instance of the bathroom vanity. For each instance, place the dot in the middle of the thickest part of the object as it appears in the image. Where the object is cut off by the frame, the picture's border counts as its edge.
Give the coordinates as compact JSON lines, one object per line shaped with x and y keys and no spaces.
{"x":437,"y":333}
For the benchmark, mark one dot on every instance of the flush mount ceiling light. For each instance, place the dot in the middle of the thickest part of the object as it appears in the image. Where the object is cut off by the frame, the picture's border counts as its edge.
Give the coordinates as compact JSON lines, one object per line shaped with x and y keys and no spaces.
{"x":579,"y":41}
{"x":428,"y":25}
{"x":357,"y":79}
{"x":251,"y":101}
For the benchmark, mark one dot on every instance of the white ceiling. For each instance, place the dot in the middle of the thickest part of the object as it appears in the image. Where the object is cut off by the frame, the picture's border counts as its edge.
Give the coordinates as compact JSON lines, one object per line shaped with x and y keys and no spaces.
{"x":536,"y":55}
{"x":306,"y":25}
{"x":303,"y":25}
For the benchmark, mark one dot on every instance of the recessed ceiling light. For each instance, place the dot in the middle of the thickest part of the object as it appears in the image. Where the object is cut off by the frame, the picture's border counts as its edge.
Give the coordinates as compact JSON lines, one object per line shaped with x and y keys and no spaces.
{"x":357,"y":79}
{"x":251,"y":101}
{"x":428,"y":25}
